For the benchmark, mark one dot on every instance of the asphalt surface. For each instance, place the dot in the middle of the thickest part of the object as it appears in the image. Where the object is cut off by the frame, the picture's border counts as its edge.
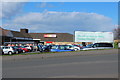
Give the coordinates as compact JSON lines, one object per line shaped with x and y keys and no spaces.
{"x":78,"y":66}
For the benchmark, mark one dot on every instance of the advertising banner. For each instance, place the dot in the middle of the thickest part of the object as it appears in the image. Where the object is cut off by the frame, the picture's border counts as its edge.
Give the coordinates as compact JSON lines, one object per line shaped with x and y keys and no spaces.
{"x":82,"y":36}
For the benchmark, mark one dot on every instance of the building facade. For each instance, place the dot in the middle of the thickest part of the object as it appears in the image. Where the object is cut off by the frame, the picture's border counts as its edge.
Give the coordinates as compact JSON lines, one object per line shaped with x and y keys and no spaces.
{"x":24,"y":37}
{"x":16,"y":38}
{"x":53,"y":38}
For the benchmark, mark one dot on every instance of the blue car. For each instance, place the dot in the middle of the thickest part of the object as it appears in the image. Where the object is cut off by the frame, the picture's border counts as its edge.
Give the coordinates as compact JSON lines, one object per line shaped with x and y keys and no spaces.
{"x":60,"y":48}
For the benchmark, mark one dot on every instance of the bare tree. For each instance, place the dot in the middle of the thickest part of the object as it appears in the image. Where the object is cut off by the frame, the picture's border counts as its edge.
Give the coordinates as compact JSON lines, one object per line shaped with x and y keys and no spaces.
{"x":117,"y":33}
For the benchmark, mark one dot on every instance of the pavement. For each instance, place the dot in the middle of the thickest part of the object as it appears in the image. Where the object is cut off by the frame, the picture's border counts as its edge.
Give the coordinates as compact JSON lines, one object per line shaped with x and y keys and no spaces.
{"x":82,"y":64}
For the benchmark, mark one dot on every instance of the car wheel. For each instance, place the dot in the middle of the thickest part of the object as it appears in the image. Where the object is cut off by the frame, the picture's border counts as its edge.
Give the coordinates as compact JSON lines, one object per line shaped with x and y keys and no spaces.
{"x":23,"y":51}
{"x":75,"y":49}
{"x":10,"y":53}
{"x":17,"y":52}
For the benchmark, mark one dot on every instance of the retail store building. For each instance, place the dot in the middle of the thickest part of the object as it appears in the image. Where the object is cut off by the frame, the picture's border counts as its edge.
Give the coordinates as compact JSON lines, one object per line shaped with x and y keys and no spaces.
{"x":24,"y":37}
{"x":53,"y":38}
{"x":16,"y":38}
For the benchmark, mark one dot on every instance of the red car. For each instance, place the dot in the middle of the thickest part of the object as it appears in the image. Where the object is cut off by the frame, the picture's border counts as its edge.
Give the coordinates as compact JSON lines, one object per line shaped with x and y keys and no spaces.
{"x":23,"y":48}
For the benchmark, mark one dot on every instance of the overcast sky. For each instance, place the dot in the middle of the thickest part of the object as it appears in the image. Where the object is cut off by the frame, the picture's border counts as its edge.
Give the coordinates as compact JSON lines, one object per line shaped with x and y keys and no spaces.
{"x":59,"y":17}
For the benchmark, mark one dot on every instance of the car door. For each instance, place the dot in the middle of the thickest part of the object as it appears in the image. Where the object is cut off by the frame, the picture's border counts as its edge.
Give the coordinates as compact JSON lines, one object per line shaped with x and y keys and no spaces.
{"x":62,"y":48}
{"x":54,"y":48}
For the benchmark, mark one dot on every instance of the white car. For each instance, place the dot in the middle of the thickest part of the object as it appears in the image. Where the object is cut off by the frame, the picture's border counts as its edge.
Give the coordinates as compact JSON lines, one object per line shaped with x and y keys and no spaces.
{"x":8,"y":50}
{"x":28,"y":47}
{"x":74,"y":47}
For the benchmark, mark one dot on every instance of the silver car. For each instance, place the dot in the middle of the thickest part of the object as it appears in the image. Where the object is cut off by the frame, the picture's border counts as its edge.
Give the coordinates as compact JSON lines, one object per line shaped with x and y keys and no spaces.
{"x":98,"y":46}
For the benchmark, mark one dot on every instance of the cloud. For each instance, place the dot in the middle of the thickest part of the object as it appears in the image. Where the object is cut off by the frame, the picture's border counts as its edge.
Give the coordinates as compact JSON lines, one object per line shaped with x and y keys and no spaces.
{"x":44,"y":5}
{"x":10,"y":9}
{"x":15,"y":0}
{"x":50,"y":21}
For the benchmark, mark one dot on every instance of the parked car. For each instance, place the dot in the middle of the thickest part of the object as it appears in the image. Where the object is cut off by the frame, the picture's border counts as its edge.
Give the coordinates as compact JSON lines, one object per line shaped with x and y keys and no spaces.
{"x":30,"y":48}
{"x":18,"y":49}
{"x":60,"y":48}
{"x":89,"y":47}
{"x":73,"y":47}
{"x":98,"y":46}
{"x":46,"y":48}
{"x":23,"y":48}
{"x":8,"y":50}
{"x":40,"y":48}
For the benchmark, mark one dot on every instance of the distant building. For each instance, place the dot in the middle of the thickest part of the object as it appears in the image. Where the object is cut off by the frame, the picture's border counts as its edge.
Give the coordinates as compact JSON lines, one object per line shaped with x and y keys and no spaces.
{"x":5,"y":36}
{"x":15,"y":37}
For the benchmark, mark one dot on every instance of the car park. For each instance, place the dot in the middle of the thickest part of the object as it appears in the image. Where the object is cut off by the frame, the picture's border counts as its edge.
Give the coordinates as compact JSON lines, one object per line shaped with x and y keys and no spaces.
{"x":98,"y":46}
{"x":8,"y":50}
{"x":53,"y":48}
{"x":60,"y":48}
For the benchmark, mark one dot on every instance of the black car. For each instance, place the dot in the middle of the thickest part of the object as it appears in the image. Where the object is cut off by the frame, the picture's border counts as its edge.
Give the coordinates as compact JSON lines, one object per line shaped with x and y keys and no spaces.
{"x":40,"y":48}
{"x":45,"y":48}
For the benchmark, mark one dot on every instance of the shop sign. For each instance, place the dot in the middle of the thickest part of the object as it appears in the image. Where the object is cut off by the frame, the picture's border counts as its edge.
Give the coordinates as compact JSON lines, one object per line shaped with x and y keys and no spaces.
{"x":50,"y":35}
